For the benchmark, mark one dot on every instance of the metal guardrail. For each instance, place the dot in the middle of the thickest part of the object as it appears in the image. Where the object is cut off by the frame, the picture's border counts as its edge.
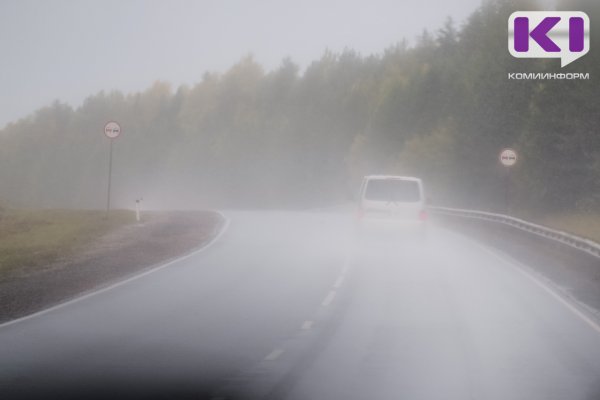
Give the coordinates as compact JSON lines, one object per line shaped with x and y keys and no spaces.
{"x":568,"y":239}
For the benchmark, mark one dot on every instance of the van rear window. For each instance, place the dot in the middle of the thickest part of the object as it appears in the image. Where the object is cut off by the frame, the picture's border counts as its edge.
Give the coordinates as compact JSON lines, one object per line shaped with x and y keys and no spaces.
{"x":393,"y":190}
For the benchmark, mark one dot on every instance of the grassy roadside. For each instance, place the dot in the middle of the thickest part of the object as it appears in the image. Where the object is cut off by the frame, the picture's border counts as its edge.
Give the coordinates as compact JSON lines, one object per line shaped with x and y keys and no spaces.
{"x":585,"y":225}
{"x":32,"y":238}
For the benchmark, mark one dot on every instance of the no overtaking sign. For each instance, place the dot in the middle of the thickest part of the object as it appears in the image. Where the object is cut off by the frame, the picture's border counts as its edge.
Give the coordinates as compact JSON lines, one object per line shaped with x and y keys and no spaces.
{"x":112,"y":130}
{"x":508,"y":157}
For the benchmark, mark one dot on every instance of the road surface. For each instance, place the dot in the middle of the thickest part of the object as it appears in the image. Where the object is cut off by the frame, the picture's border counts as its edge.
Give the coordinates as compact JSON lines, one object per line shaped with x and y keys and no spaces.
{"x":290,"y":306}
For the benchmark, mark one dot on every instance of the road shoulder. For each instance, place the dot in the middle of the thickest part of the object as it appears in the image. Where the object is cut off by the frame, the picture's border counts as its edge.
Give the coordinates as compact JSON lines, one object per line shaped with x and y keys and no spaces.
{"x":120,"y":254}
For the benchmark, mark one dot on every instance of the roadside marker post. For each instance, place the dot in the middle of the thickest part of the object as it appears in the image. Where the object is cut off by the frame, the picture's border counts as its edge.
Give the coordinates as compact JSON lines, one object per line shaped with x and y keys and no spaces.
{"x":137,"y":209}
{"x":112,"y":130}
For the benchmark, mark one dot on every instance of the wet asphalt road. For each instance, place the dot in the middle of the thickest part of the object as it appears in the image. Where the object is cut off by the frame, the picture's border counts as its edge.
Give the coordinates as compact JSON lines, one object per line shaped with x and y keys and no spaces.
{"x":292,"y":305}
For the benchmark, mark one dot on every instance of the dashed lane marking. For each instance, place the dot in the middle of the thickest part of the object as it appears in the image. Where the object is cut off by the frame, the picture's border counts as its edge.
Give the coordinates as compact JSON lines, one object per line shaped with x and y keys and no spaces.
{"x":338,"y":282}
{"x":327,"y":301}
{"x":307,"y":325}
{"x":346,"y":266}
{"x":274,"y":355}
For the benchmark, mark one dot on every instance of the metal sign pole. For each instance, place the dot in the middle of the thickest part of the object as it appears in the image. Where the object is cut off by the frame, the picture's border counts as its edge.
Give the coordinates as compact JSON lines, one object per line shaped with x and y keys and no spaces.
{"x":508,"y":158}
{"x":507,"y":191}
{"x":112,"y":130}
{"x":109,"y":177}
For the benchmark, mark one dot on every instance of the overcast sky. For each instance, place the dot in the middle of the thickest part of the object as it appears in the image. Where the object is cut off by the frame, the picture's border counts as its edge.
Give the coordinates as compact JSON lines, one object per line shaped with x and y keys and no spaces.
{"x":69,"y":49}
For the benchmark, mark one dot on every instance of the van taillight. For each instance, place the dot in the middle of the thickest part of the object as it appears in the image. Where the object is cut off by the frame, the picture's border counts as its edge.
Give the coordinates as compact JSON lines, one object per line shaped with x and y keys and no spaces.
{"x":423,"y":215}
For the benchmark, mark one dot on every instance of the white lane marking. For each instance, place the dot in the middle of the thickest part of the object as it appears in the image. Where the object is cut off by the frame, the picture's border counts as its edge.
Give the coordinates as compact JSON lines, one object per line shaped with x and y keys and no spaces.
{"x":338,"y":282}
{"x":123,"y":282}
{"x":327,"y":301}
{"x":274,"y":355}
{"x":552,"y":292}
{"x":307,"y":325}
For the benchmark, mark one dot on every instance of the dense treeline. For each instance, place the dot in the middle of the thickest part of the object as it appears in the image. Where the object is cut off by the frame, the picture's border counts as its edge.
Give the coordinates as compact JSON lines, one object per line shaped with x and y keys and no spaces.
{"x":441,"y":109}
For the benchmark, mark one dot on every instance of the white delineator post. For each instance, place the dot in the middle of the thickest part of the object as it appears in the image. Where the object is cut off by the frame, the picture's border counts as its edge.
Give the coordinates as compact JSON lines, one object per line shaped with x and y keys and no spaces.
{"x":137,"y":210}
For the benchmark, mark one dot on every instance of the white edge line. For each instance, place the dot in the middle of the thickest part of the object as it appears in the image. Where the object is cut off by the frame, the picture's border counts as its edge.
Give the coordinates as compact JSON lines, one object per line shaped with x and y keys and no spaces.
{"x":274,"y":355}
{"x":123,"y":282}
{"x":556,"y":295}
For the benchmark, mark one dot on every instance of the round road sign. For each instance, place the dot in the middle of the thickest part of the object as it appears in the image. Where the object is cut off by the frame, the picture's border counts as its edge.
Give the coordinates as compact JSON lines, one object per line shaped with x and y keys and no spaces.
{"x":112,"y":130}
{"x":508,"y":157}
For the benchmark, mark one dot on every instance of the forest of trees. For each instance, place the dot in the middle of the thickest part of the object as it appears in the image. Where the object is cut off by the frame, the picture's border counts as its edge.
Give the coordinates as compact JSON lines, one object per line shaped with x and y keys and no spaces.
{"x":441,"y":109}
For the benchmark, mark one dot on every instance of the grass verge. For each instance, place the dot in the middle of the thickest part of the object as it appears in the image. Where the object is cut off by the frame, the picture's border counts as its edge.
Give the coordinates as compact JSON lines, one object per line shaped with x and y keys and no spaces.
{"x":33,"y":238}
{"x":584,"y":225}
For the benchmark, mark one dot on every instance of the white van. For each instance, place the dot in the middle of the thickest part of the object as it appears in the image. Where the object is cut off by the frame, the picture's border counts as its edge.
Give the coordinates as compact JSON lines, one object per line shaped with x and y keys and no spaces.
{"x":389,"y":202}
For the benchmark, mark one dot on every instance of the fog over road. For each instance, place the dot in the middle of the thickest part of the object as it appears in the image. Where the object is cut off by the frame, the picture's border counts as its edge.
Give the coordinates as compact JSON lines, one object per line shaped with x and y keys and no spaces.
{"x":290,"y":305}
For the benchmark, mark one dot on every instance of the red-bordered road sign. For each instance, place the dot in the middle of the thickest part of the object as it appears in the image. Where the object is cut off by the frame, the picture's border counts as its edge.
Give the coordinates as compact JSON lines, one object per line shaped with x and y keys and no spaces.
{"x":508,"y":157}
{"x":112,"y":129}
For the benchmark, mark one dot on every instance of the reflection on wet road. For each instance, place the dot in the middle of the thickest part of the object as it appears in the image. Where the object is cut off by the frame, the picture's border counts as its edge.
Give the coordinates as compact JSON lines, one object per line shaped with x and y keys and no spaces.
{"x":291,"y":305}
